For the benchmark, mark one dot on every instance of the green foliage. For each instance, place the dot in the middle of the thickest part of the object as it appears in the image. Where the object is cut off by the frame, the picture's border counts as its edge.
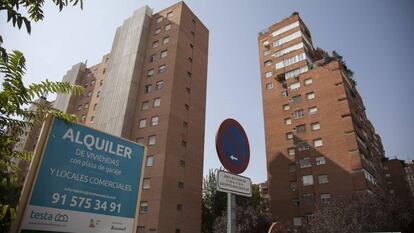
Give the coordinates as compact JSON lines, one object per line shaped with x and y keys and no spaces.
{"x":251,"y":215}
{"x":16,"y":120}
{"x":34,"y":10}
{"x":214,"y":203}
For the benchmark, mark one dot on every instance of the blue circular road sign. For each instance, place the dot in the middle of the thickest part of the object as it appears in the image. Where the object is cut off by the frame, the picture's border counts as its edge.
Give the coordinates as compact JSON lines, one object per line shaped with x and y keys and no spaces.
{"x":232,"y":146}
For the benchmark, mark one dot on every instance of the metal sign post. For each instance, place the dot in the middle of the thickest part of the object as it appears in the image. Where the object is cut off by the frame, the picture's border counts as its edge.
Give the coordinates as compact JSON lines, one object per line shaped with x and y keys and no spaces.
{"x":231,"y":213}
{"x":233,"y":150}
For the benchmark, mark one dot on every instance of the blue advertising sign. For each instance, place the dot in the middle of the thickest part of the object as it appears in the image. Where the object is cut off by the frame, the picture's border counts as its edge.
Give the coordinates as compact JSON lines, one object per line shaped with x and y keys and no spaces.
{"x":232,"y":146}
{"x":88,"y":181}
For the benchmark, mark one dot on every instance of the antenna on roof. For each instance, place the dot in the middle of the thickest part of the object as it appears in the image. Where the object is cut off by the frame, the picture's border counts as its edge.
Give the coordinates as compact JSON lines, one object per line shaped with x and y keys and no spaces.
{"x":86,"y":62}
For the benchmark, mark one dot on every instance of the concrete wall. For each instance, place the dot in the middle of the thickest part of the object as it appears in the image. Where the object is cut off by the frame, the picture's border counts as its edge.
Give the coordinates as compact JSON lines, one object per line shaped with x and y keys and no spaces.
{"x":122,"y":77}
{"x":72,"y":76}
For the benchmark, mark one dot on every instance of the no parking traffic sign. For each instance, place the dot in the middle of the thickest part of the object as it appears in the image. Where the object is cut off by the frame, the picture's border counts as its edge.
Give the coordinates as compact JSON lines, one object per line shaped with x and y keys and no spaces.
{"x":232,"y":146}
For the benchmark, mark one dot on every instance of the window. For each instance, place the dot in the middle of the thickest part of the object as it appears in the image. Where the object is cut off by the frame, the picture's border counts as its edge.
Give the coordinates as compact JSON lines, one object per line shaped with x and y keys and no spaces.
{"x":155,"y":44}
{"x":267,"y":52}
{"x":325,"y":198}
{"x":147,"y":88}
{"x":153,"y":58}
{"x":387,"y":175}
{"x":86,"y":105}
{"x":182,"y":163}
{"x":308,"y":198}
{"x":93,"y":82}
{"x":323,"y":179}
{"x":180,"y":184}
{"x":187,"y":107}
{"x":302,"y":145}
{"x":294,"y":86}
{"x":143,"y":207}
{"x":269,"y":86}
{"x":179,"y":208}
{"x":296,"y":99}
{"x":317,"y":142}
{"x":188,"y":90}
{"x":190,"y":59}
{"x":293,"y":185}
{"x":142,"y":123}
{"x":295,"y":202}
{"x":150,"y":73}
{"x":307,"y":180}
{"x":310,"y":96}
{"x":170,"y":14}
{"x":185,"y":124}
{"x":167,"y":27}
{"x":98,"y":94}
{"x":298,"y":114}
{"x":154,"y":120}
{"x":161,"y":69}
{"x":89,"y":93}
{"x":94,"y":107}
{"x":165,"y":40}
{"x":184,"y":143}
{"x":152,"y":140}
{"x":296,"y":72}
{"x":292,"y":167}
{"x":159,"y":84}
{"x":92,"y":119}
{"x":288,"y":121}
{"x":267,"y":63}
{"x":297,"y":221}
{"x":265,"y":43}
{"x":150,"y":161}
{"x":146,"y":183}
{"x":79,"y":106}
{"x":145,"y":105}
{"x":83,"y":118}
{"x":315,"y":126}
{"x":157,"y":102}
{"x":290,"y":61}
{"x":305,"y":162}
{"x":189,"y":74}
{"x":177,"y":230}
{"x":307,"y":81}
{"x":101,"y":82}
{"x":163,"y":54}
{"x":320,"y":160}
{"x":300,"y":128}
{"x":268,"y":74}
{"x":157,"y":31}
{"x":159,"y":19}
{"x":291,"y":151}
{"x":286,"y":107}
{"x":283,"y":93}
{"x":289,"y":136}
{"x":313,"y":110}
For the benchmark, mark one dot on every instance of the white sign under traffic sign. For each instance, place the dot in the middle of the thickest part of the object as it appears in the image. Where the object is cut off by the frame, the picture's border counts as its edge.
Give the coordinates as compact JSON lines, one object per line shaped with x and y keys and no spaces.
{"x":230,"y":183}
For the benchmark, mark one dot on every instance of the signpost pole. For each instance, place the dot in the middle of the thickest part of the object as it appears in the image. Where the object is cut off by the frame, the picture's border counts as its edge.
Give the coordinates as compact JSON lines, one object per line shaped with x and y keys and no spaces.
{"x":231,"y":213}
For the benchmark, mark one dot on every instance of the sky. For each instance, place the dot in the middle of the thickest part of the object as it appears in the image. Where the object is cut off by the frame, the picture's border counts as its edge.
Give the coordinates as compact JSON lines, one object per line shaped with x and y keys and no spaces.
{"x":375,"y":37}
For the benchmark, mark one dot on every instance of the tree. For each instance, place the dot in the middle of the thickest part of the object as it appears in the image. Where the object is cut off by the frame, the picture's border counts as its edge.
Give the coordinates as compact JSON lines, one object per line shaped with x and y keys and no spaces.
{"x":34,"y":11}
{"x":214,"y":203}
{"x":15,"y":119}
{"x":251,"y":216}
{"x":362,"y":212}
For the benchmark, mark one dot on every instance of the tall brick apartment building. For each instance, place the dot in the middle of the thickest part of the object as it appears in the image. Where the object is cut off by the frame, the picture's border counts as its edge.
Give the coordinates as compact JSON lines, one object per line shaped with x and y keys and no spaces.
{"x":319,"y":142}
{"x":151,"y":88}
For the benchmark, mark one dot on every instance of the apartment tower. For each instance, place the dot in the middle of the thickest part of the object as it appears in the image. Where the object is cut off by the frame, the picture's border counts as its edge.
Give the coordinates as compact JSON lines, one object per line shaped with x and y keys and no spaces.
{"x":151,"y":88}
{"x":319,"y":142}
